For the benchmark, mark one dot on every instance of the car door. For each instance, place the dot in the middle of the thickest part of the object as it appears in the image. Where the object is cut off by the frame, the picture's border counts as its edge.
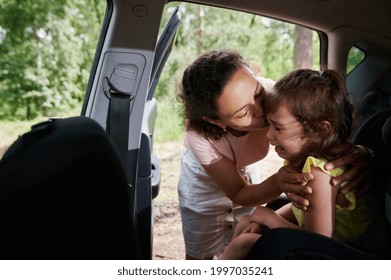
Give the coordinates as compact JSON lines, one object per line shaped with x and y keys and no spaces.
{"x":148,"y":180}
{"x":119,"y":96}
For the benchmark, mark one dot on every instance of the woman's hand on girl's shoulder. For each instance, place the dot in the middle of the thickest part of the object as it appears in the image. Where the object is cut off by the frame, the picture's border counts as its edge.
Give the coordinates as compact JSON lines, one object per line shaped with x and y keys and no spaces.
{"x":294,"y":185}
{"x":358,"y":161}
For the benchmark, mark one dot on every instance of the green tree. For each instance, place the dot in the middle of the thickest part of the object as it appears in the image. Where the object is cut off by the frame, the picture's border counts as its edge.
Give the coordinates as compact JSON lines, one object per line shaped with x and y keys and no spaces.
{"x":262,"y":41}
{"x":47,"y":49}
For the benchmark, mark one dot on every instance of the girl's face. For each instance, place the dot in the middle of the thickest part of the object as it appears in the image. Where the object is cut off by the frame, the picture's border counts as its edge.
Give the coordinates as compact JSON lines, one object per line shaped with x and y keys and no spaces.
{"x":239,"y":105}
{"x":285,"y":133}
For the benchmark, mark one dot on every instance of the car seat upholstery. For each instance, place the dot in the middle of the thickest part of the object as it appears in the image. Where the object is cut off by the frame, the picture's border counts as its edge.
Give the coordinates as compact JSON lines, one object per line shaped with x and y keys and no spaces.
{"x":374,"y":101}
{"x":64,"y":195}
{"x":284,"y":243}
{"x":386,"y":133}
{"x":375,"y":133}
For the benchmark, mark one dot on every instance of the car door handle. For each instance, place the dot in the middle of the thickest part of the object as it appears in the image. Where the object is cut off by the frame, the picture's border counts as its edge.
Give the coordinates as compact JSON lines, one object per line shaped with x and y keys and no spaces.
{"x":155,"y":175}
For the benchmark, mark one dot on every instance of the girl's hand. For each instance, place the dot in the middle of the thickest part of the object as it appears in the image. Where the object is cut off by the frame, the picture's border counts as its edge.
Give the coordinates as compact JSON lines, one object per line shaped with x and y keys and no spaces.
{"x":359,"y":172}
{"x":295,"y":186}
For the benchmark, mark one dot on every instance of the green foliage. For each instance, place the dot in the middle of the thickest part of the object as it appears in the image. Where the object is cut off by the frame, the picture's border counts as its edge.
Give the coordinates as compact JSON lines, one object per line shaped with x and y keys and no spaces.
{"x":47,"y":49}
{"x":169,"y":123}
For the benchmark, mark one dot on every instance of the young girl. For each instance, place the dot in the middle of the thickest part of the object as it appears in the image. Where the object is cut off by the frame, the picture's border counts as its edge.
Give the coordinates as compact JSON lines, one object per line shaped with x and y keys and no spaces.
{"x":309,"y":113}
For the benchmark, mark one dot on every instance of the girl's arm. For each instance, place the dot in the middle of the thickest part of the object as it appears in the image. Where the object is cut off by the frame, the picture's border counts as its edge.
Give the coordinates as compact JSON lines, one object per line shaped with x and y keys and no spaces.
{"x":320,"y":215}
{"x":225,"y":174}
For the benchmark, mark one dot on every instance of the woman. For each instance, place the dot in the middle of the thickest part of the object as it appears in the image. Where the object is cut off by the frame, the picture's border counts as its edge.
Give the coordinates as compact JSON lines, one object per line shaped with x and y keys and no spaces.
{"x":225,"y":133}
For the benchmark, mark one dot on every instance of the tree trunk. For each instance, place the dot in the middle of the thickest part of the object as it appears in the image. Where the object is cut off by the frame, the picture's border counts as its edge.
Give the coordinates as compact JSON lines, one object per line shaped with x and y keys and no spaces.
{"x":200,"y":32}
{"x":303,"y":48}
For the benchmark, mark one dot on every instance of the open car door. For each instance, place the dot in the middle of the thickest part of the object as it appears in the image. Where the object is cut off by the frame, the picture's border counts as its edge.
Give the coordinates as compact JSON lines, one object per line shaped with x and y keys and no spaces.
{"x":120,"y":98}
{"x":148,"y":164}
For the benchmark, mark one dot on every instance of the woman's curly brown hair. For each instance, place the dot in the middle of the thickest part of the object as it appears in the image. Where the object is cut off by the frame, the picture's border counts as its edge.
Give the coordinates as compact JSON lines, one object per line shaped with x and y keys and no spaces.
{"x":202,"y":83}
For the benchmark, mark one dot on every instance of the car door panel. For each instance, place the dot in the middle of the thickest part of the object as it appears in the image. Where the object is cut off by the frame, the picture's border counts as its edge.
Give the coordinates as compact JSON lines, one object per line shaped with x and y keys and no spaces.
{"x":124,"y":68}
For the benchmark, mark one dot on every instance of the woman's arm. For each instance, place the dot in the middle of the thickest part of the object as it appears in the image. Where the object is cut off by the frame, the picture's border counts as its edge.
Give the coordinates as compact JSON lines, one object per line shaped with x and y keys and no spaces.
{"x":320,"y":215}
{"x":225,"y":174}
{"x":227,"y":177}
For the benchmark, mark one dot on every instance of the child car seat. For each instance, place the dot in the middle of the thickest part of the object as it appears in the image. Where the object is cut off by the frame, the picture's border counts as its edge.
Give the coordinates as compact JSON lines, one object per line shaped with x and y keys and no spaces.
{"x":64,"y":195}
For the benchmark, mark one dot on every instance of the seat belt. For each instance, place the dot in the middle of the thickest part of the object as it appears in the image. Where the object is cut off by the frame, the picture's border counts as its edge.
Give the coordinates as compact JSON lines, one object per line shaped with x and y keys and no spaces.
{"x":118,"y":129}
{"x":118,"y":119}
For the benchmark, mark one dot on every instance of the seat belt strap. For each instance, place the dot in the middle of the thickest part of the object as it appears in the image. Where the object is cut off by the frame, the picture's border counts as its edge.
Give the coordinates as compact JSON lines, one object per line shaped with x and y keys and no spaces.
{"x":118,"y":119}
{"x":118,"y":122}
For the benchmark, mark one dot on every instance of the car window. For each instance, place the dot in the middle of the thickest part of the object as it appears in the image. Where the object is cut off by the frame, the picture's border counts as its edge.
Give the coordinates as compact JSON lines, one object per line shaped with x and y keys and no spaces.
{"x":355,"y":57}
{"x":267,"y":44}
{"x":163,"y":50}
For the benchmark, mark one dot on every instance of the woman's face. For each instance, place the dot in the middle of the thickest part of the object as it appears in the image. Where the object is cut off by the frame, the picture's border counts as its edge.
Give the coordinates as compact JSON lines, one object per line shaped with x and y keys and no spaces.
{"x":239,"y":105}
{"x":285,"y":133}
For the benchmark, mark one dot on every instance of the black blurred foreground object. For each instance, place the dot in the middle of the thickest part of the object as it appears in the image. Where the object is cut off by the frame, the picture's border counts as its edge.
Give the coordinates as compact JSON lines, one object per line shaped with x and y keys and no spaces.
{"x":64,"y":195}
{"x":294,"y":244}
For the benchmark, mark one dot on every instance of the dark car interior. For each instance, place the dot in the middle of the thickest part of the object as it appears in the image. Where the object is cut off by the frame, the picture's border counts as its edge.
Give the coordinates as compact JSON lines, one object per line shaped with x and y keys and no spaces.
{"x":83,"y":187}
{"x":64,"y":195}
